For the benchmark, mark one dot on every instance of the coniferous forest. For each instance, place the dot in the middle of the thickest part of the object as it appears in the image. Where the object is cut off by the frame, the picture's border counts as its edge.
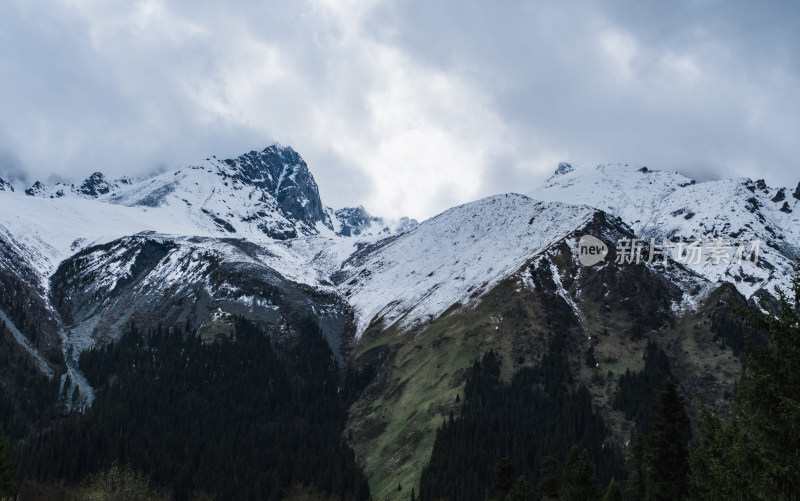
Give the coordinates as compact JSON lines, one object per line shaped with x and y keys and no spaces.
{"x":534,"y":438}
{"x":534,"y":419}
{"x":233,"y":419}
{"x":249,"y":417}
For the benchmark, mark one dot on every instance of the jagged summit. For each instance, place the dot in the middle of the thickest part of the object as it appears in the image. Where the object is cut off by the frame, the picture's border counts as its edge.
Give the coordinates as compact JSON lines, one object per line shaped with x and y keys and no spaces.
{"x":95,"y":185}
{"x":259,"y":196}
{"x":563,"y":168}
{"x":356,"y":221}
{"x":668,"y":205}
{"x":282,"y":172}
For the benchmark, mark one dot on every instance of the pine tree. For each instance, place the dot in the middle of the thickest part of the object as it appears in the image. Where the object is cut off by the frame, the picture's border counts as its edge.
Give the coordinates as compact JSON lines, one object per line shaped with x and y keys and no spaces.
{"x":759,"y":450}
{"x":521,"y":490}
{"x":768,"y":405}
{"x":667,"y":452}
{"x":502,"y":478}
{"x":551,"y":478}
{"x":613,"y":492}
{"x":638,"y":468}
{"x":716,"y":461}
{"x":7,"y":471}
{"x":579,"y":482}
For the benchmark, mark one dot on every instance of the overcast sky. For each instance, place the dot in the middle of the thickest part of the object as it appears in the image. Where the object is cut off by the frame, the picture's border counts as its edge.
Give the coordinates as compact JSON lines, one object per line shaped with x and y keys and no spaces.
{"x":409,"y":106}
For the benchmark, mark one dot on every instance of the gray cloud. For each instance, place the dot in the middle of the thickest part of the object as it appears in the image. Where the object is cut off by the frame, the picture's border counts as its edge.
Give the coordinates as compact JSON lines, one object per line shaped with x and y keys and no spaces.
{"x":408,"y":107}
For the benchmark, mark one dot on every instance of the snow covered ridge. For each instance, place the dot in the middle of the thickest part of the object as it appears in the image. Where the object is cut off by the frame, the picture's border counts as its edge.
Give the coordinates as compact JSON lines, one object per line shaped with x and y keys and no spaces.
{"x":393,"y":271}
{"x":669,"y":206}
{"x":454,"y":257}
{"x":261,"y":194}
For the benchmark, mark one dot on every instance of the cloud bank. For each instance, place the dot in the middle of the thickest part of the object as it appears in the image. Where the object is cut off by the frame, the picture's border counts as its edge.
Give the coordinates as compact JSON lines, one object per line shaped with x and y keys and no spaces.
{"x":407,"y":107}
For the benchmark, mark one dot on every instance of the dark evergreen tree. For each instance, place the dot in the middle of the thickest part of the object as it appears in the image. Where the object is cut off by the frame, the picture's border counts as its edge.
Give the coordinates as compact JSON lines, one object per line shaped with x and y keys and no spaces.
{"x":637,"y":390}
{"x":502,"y":478}
{"x":719,"y":460}
{"x":667,"y":452}
{"x":520,"y":491}
{"x":613,"y":492}
{"x":579,"y":482}
{"x":7,"y":470}
{"x":550,"y":483}
{"x":759,"y":450}
{"x":591,"y":358}
{"x":638,"y":470}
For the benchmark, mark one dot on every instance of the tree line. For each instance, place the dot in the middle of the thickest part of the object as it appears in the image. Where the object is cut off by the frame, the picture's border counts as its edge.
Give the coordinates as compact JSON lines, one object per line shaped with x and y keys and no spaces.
{"x":536,"y":438}
{"x":233,"y":419}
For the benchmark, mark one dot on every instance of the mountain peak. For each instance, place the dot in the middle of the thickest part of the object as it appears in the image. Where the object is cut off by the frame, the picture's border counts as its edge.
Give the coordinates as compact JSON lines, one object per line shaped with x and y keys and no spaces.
{"x":282,"y":172}
{"x":95,"y":185}
{"x":563,"y":168}
{"x":5,"y":185}
{"x":356,"y":221}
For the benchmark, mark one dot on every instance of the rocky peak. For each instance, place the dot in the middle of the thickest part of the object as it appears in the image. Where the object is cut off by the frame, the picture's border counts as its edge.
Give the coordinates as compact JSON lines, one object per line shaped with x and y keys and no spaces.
{"x":35,"y":189}
{"x":356,"y":221}
{"x":282,"y":172}
{"x":796,"y":193}
{"x":94,"y":185}
{"x":563,"y":168}
{"x":5,"y":185}
{"x":353,"y":220}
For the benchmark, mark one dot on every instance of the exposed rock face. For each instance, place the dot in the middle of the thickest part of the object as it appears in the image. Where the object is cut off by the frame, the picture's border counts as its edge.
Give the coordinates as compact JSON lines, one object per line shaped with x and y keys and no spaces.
{"x":282,"y":172}
{"x":95,"y":185}
{"x":35,"y":189}
{"x":563,"y":168}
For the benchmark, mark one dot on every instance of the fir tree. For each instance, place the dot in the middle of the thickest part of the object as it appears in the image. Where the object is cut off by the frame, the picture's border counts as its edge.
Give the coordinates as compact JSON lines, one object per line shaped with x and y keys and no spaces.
{"x":521,"y":490}
{"x":759,"y":450}
{"x":579,"y":482}
{"x":637,"y":468}
{"x":551,"y":478}
{"x":502,"y":478}
{"x":7,"y":471}
{"x":613,"y":492}
{"x":667,"y":452}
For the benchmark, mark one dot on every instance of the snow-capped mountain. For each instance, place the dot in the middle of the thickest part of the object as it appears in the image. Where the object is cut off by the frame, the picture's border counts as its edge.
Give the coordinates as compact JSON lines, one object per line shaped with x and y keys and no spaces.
{"x":220,"y":234}
{"x":270,"y":192}
{"x":720,"y":215}
{"x":251,"y":236}
{"x":259,"y":196}
{"x":388,"y":270}
{"x":457,"y":255}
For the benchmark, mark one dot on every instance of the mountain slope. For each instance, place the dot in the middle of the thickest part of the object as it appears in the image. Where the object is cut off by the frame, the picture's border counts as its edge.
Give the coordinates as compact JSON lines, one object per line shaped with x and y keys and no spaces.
{"x":413,"y":304}
{"x":667,"y":206}
{"x":613,"y":308}
{"x":450,"y":259}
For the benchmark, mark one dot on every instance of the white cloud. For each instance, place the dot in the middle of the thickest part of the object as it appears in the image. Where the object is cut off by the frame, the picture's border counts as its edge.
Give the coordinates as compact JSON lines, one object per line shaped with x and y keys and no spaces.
{"x":620,"y":50}
{"x":406,"y":107}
